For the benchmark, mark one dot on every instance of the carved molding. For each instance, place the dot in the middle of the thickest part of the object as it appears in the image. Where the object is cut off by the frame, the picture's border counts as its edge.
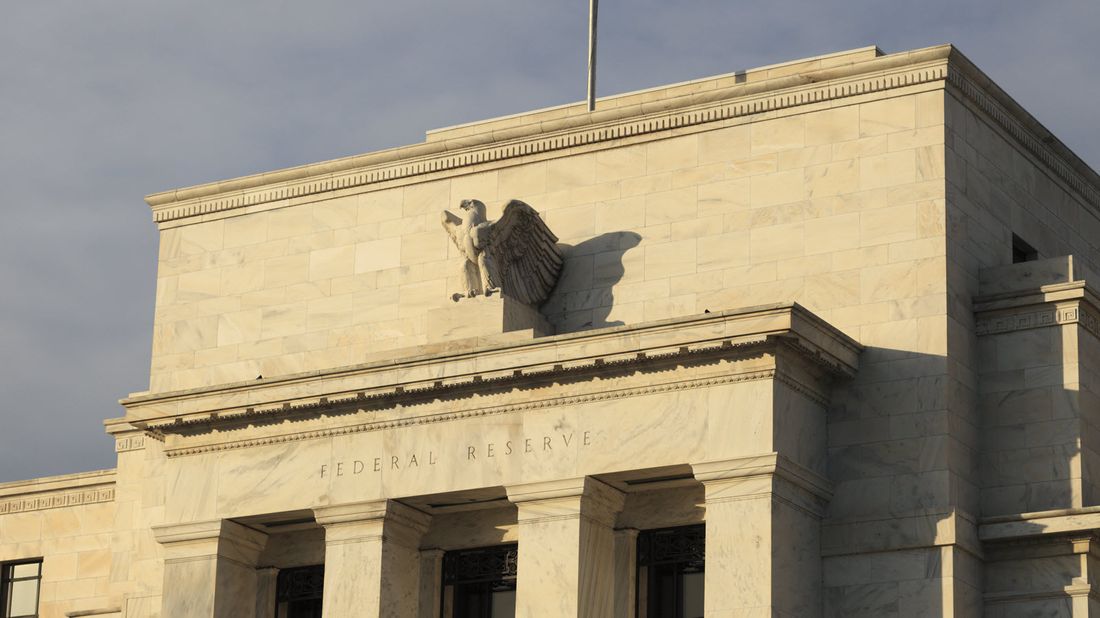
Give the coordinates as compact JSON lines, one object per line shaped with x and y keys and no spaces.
{"x":57,"y":499}
{"x":416,"y":392}
{"x":129,"y":443}
{"x":1049,"y":316}
{"x":477,"y":413}
{"x":1006,"y":121}
{"x":547,"y":143}
{"x":637,"y":127}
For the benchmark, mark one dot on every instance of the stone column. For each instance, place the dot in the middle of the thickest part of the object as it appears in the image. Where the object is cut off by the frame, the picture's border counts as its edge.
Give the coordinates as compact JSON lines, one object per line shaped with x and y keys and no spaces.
{"x":626,"y":572}
{"x":372,"y":562}
{"x":566,"y":548}
{"x":431,"y":578}
{"x":210,"y":569}
{"x":763,"y":519}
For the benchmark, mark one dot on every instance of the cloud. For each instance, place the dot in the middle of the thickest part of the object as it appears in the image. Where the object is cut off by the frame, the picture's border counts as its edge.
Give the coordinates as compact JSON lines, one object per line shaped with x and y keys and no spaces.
{"x":107,"y":101}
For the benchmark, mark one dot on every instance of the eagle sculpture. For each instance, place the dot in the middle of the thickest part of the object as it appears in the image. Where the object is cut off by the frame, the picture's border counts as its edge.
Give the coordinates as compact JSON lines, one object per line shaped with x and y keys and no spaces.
{"x":516,"y":255}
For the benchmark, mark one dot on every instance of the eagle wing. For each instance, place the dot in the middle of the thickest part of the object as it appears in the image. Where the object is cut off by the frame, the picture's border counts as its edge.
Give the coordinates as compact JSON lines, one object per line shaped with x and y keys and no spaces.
{"x":524,"y":253}
{"x":453,"y":224}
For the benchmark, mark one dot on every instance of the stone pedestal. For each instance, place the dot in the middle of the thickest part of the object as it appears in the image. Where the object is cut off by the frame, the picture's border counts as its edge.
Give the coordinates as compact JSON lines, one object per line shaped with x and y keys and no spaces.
{"x":483,"y":316}
{"x":372,"y":562}
{"x":210,"y":569}
{"x":763,"y":537}
{"x":566,"y":548}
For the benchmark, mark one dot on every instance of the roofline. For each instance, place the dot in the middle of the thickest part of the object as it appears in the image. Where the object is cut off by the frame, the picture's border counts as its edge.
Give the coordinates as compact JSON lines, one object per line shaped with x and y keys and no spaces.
{"x":655,"y":110}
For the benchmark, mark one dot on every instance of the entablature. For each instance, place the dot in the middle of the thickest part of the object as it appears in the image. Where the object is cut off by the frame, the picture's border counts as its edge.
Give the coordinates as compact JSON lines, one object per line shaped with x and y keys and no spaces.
{"x":449,"y":381}
{"x":1042,"y":293}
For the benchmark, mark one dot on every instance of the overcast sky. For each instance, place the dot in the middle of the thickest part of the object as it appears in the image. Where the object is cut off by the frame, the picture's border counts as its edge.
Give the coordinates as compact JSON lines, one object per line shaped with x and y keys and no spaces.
{"x":105,"y":101}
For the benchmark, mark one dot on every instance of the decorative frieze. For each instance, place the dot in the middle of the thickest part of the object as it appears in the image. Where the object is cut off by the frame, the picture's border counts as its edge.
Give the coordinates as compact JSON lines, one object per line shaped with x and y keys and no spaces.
{"x":481,"y":412}
{"x":55,"y":500}
{"x":1048,"y":316}
{"x":129,"y":443}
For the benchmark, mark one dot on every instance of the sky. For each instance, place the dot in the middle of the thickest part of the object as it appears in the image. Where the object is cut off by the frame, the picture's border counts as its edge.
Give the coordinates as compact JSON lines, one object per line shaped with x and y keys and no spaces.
{"x":105,"y":101}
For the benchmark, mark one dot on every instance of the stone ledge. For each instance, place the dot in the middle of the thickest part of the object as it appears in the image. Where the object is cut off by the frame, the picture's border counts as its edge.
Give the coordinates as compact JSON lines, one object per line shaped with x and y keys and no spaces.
{"x":1041,"y":523}
{"x":449,"y":365}
{"x":106,"y":611}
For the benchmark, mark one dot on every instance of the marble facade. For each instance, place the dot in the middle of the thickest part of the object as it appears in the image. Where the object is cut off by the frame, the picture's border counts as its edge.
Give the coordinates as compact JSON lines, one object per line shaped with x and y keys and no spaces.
{"x":788,"y":311}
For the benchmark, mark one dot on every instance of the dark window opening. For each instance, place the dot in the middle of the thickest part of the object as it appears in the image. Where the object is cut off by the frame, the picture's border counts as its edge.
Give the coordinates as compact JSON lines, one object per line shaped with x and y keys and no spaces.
{"x":1022,"y":252}
{"x":298,"y":592}
{"x":480,"y":583}
{"x":19,"y":587}
{"x":670,"y":572}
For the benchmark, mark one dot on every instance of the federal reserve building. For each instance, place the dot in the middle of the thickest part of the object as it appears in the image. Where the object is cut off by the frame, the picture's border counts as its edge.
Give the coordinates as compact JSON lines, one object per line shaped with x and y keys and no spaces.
{"x":818,"y":339}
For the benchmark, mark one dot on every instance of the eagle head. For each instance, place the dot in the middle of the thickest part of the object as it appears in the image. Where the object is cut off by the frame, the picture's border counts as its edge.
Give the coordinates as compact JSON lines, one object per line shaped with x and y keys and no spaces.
{"x":476,"y":208}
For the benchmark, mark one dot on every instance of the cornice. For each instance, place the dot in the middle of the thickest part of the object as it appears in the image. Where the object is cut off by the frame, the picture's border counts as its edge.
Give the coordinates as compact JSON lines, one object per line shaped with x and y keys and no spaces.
{"x":607,"y":127}
{"x":1008,"y":115}
{"x":459,"y":363}
{"x":640,"y":122}
{"x":678,"y":354}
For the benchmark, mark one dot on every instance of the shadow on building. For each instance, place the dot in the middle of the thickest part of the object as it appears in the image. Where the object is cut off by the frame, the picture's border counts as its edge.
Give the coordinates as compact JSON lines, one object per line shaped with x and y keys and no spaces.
{"x":584,"y":296}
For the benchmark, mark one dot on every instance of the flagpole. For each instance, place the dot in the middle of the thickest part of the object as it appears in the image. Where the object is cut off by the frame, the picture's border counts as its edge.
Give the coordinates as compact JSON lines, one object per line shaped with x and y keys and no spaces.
{"x":593,"y":8}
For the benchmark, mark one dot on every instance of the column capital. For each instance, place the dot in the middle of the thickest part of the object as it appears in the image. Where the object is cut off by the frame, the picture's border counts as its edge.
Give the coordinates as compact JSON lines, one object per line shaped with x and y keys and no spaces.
{"x":373,"y":519}
{"x":217,"y":537}
{"x":769,"y":464}
{"x":766,"y":474}
{"x":582,"y":496}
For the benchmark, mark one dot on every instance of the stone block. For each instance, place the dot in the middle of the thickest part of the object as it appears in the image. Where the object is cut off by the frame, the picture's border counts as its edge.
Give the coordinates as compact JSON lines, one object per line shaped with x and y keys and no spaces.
{"x":483,"y":316}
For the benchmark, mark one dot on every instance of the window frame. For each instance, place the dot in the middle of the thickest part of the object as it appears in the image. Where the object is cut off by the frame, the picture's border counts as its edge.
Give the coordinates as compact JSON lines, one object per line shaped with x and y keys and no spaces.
{"x":503,"y":576}
{"x":684,"y":560}
{"x":7,"y":578}
{"x":296,"y":584}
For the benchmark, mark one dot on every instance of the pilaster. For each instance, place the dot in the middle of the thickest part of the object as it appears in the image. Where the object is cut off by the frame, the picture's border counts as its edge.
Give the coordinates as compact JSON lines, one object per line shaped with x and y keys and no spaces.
{"x":566,"y":548}
{"x":626,"y":572}
{"x":372,"y":562}
{"x":267,"y":581}
{"x":763,"y":525}
{"x":431,"y":578}
{"x":210,"y":569}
